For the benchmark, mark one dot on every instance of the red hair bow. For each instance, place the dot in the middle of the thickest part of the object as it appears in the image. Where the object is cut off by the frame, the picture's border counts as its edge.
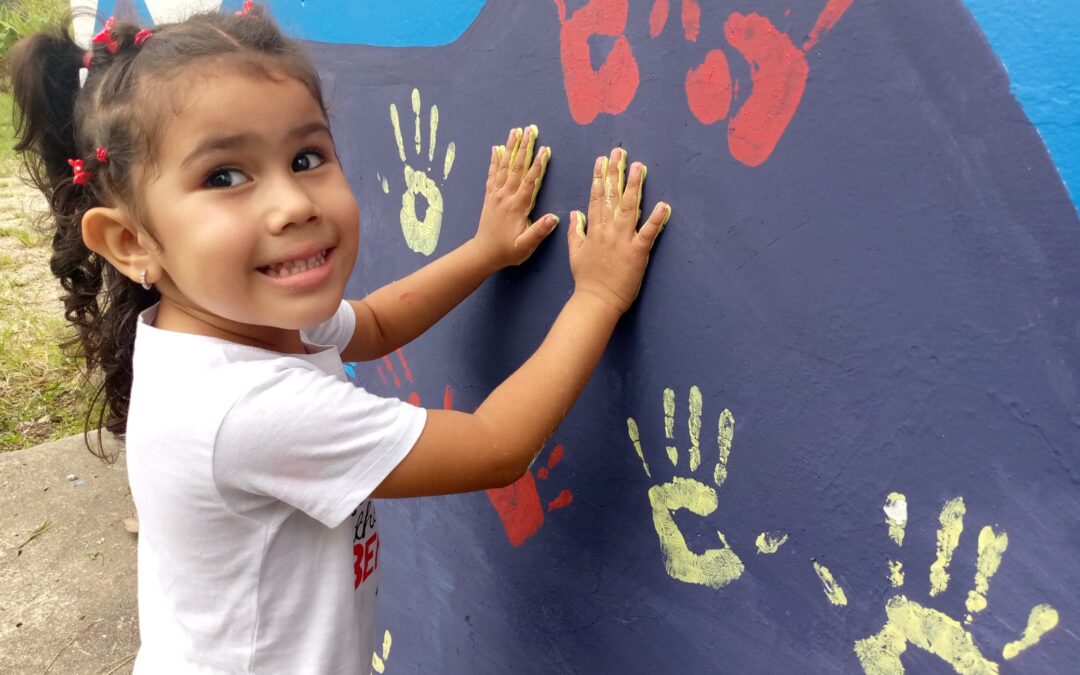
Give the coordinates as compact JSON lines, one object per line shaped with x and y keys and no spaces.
{"x":106,"y":37}
{"x":142,"y":36}
{"x":81,"y":175}
{"x":248,"y":5}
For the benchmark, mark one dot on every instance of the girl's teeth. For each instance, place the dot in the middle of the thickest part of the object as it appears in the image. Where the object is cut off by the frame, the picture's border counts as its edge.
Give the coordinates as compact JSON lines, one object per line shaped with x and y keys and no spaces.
{"x":296,"y":266}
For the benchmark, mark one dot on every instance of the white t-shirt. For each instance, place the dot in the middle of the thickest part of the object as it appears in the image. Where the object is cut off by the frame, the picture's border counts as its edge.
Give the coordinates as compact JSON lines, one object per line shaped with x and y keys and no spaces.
{"x":251,"y":471}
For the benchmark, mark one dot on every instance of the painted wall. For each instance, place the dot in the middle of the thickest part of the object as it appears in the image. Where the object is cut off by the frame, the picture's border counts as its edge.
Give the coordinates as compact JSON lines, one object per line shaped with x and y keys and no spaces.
{"x":840,"y":429}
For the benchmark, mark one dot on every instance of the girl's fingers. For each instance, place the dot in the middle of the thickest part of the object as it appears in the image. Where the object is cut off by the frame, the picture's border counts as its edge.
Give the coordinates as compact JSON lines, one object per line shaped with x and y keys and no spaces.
{"x":517,"y":158}
{"x":630,"y":202}
{"x":533,"y":133}
{"x":504,"y":159}
{"x":493,"y":167}
{"x":536,"y":233}
{"x":652,"y":228}
{"x":614,"y":181}
{"x":535,"y":177}
{"x":575,"y":234}
{"x":596,"y":194}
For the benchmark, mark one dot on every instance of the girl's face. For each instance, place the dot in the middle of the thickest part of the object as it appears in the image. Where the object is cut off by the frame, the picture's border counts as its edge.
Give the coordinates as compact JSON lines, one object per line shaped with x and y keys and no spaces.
{"x":257,"y":225}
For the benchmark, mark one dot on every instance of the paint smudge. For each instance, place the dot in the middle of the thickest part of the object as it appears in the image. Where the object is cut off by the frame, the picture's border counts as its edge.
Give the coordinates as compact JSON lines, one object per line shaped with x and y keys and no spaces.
{"x":769,"y":543}
{"x":833,"y":591}
{"x":896,"y":516}
{"x":991,"y":548}
{"x":948,"y":538}
{"x":724,"y":436}
{"x":896,"y":573}
{"x":378,"y":663}
{"x":1042,"y":619}
{"x":708,"y":88}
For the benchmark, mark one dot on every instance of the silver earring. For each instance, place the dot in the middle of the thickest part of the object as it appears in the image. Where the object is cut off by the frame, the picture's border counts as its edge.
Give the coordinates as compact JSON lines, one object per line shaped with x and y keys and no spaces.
{"x":142,"y":280}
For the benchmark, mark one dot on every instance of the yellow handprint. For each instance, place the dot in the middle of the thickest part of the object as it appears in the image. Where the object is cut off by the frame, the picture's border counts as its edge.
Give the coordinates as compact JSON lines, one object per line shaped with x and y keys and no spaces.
{"x":929,"y":629}
{"x":421,"y":235}
{"x":714,"y":568}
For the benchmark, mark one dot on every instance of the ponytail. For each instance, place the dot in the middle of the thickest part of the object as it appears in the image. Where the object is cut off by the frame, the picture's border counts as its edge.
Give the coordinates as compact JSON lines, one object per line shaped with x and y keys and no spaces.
{"x":100,"y":303}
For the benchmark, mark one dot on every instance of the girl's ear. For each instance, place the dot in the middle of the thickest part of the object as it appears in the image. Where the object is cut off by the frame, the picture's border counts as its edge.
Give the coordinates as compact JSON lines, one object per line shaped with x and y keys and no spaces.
{"x":111,"y":233}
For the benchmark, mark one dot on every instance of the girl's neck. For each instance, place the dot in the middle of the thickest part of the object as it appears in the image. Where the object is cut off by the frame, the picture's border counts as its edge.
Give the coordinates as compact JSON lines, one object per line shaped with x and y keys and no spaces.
{"x":182,"y":319}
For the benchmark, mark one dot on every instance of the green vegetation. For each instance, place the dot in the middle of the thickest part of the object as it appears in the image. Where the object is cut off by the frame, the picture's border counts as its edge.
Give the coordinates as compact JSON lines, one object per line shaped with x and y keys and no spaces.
{"x":42,"y":396}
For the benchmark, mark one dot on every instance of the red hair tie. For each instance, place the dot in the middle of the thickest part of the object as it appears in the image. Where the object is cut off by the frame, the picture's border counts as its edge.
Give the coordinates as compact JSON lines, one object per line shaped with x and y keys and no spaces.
{"x":103,"y":155}
{"x":106,"y":37}
{"x":248,"y":5}
{"x":86,"y":59}
{"x":81,"y":175}
{"x":142,"y":36}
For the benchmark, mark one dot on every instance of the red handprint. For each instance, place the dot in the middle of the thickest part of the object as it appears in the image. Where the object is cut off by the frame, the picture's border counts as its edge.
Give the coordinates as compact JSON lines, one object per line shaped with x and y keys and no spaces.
{"x":518,"y":504}
{"x":413,"y":398}
{"x":610,"y":88}
{"x":778,"y":73}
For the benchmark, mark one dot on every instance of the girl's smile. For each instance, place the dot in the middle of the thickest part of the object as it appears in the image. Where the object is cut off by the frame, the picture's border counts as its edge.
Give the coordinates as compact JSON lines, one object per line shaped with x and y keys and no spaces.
{"x":301,"y":271}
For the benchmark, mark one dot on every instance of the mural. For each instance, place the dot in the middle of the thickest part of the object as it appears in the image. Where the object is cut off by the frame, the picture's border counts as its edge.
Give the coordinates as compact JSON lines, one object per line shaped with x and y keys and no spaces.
{"x":858,"y":335}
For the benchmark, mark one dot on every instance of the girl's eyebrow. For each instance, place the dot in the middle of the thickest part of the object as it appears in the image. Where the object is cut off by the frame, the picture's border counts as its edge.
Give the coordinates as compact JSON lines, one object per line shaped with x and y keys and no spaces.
{"x":234,"y":141}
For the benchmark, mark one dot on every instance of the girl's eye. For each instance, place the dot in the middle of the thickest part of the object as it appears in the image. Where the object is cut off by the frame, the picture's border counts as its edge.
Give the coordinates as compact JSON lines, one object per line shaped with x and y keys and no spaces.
{"x":226,"y":178}
{"x":307,"y":160}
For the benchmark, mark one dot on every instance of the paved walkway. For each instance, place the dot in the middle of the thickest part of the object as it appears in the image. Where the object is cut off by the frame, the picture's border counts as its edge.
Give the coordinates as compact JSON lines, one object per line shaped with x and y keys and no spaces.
{"x":67,"y":563}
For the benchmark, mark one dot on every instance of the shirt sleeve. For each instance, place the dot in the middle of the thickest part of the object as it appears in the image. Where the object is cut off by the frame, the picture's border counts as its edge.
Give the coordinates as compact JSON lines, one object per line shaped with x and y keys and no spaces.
{"x":336,"y":331}
{"x":314,"y":442}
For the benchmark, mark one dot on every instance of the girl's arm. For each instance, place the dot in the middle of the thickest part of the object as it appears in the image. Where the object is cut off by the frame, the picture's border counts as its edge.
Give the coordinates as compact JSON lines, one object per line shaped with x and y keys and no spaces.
{"x":396,"y":314}
{"x":493,"y":446}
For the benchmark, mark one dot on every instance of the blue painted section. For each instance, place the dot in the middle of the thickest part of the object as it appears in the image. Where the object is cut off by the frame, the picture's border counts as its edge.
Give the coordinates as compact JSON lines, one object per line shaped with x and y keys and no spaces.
{"x":1037,"y":42}
{"x":385,"y":23}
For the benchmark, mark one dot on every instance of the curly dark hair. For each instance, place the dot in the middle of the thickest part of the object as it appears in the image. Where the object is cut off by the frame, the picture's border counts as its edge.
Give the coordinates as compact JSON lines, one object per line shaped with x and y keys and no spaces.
{"x":121,"y":107}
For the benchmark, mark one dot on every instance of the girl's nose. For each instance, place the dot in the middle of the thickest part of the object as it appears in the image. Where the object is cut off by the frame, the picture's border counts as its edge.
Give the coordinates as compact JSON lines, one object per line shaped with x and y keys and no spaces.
{"x":291,"y":204}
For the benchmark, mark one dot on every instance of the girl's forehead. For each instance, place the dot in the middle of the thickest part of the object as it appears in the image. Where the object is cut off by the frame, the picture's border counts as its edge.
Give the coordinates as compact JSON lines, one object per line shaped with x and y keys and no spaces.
{"x":232,"y":103}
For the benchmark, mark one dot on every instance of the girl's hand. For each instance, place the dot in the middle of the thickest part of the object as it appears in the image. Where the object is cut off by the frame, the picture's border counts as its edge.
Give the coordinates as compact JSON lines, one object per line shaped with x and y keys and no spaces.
{"x":608,"y":256}
{"x":505,"y":235}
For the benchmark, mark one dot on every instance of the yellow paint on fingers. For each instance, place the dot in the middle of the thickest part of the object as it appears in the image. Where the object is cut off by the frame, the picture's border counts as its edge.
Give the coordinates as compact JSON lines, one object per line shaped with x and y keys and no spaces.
{"x":1042,"y":619}
{"x":714,"y":568}
{"x":927,"y":629}
{"x":833,"y":591}
{"x":635,"y":438}
{"x":724,"y":436}
{"x":896,"y":516}
{"x":769,"y":543}
{"x":991,"y":548}
{"x":948,"y":538}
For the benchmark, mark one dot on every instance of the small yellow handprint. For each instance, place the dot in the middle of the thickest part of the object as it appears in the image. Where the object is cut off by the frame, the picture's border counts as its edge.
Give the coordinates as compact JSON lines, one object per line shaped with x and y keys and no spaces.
{"x":909,"y":623}
{"x":421,"y":235}
{"x":714,"y":568}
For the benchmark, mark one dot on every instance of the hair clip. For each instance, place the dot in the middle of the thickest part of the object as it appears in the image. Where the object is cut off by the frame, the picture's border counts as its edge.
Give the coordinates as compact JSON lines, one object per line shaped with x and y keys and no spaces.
{"x":106,"y":37}
{"x":248,"y":5}
{"x":103,"y":155}
{"x":142,"y":36}
{"x":81,"y":175}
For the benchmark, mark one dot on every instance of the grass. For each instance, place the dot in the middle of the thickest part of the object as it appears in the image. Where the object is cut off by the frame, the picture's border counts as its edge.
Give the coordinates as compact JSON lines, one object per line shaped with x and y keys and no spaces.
{"x":42,"y":395}
{"x":41,"y":391}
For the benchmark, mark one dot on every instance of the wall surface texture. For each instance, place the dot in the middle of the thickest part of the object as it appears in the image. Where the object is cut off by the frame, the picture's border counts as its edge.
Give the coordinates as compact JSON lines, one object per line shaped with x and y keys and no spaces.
{"x":841,"y":428}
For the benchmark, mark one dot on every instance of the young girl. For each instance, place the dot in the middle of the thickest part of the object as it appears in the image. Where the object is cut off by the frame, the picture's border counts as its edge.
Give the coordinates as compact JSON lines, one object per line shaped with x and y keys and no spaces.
{"x":204,"y":236}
